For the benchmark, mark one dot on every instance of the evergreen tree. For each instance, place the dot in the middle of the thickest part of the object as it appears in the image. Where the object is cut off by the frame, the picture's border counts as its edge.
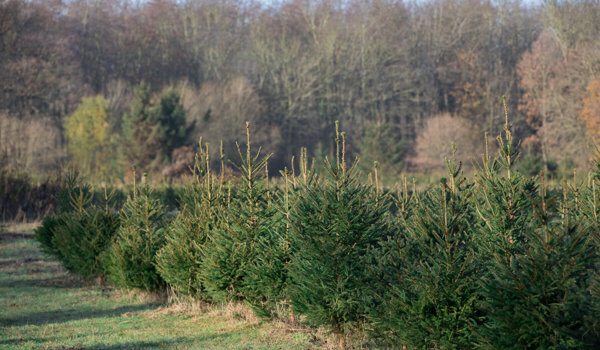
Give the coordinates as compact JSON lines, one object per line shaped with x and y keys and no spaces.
{"x":434,"y":293}
{"x":84,"y":235}
{"x":151,"y":131}
{"x":539,"y":297}
{"x":71,"y":187}
{"x":590,"y":211}
{"x":180,"y":260}
{"x":334,"y":224}
{"x":535,"y":288}
{"x":387,"y":263}
{"x":380,"y":144}
{"x":232,"y":246}
{"x":132,"y":257}
{"x":268,"y":276}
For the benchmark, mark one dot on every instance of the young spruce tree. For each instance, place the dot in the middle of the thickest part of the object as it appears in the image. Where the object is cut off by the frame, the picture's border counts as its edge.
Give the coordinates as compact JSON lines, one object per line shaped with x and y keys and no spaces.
{"x":535,"y":285}
{"x":435,"y":291}
{"x":71,"y":187}
{"x":334,"y":224}
{"x":387,"y":263}
{"x":180,"y":260}
{"x":132,"y":256}
{"x":590,"y":211}
{"x":268,"y":276}
{"x":85,"y":234}
{"x":232,"y":245}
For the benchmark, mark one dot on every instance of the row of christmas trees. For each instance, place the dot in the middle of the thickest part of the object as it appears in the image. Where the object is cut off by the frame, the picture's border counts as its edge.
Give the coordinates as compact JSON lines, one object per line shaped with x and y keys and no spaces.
{"x":497,"y":261}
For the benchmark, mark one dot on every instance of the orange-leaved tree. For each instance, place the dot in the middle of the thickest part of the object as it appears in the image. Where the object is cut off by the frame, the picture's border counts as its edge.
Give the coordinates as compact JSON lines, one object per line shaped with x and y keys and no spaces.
{"x":590,"y":113}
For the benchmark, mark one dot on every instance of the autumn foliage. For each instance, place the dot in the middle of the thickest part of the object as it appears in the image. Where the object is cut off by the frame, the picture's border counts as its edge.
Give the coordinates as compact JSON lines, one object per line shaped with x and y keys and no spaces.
{"x":590,"y":113}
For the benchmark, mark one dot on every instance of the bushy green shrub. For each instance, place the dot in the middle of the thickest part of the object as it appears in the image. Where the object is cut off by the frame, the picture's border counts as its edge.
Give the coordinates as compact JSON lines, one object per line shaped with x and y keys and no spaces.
{"x":131,"y":258}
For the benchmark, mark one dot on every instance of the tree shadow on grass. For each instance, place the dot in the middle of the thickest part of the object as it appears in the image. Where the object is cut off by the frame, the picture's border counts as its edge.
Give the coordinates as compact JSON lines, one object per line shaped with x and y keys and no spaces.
{"x":65,"y":281}
{"x":62,"y":316}
{"x":156,"y":344}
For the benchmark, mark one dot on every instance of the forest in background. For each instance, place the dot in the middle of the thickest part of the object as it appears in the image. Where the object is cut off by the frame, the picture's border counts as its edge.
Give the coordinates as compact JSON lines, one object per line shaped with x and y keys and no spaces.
{"x":106,"y":84}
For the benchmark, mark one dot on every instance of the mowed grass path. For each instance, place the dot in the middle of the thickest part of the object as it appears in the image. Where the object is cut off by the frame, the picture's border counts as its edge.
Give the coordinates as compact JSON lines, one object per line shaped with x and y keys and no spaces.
{"x":44,"y":307}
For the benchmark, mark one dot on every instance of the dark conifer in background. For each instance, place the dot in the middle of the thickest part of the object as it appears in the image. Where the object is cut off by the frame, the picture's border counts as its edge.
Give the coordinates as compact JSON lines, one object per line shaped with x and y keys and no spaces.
{"x":334,"y":224}
{"x":152,"y":130}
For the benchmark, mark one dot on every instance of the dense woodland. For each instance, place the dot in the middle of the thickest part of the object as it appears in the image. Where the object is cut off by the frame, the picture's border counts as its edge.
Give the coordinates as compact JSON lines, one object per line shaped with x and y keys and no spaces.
{"x":104,"y":84}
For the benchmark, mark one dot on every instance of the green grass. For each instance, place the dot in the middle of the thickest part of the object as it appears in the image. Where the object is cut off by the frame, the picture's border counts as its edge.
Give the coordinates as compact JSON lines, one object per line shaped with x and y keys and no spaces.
{"x":44,"y":307}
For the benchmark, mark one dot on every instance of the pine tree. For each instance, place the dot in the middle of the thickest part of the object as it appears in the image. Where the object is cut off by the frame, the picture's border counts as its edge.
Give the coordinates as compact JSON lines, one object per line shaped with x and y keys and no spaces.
{"x":334,"y":224}
{"x":535,"y":292}
{"x":132,"y":257}
{"x":232,"y":245}
{"x":386,"y":265}
{"x":538,"y":297}
{"x":84,"y":235}
{"x":268,"y":276}
{"x":152,"y":130}
{"x":71,"y":187}
{"x":435,"y":291}
{"x":180,"y":260}
{"x":590,"y":211}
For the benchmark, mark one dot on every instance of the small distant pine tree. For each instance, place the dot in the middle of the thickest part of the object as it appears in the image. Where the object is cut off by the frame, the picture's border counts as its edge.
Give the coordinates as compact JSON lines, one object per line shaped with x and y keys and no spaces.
{"x":70,"y":188}
{"x":334,"y":224}
{"x":84,"y":235}
{"x":380,"y":144}
{"x":132,"y":257}
{"x":232,"y":245}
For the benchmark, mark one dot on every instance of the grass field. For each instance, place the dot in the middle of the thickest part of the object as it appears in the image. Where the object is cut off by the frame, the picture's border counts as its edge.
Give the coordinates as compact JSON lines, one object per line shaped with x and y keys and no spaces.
{"x":44,"y":307}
